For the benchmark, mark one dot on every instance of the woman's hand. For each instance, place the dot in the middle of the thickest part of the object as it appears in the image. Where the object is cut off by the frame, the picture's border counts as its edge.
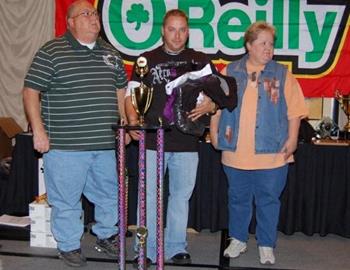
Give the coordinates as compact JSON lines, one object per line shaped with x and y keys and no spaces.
{"x":291,"y":144}
{"x":289,"y":148}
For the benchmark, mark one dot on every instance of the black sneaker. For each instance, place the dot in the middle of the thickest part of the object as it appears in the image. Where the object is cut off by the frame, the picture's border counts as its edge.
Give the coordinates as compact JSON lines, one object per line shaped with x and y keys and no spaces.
{"x":181,"y":258}
{"x":110,"y":246}
{"x":135,"y":262}
{"x":73,"y":258}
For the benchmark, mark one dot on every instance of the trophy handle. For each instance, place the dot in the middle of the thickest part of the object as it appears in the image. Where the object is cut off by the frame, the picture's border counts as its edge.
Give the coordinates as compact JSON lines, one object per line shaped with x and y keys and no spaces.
{"x":134,"y":103}
{"x":149,"y":99}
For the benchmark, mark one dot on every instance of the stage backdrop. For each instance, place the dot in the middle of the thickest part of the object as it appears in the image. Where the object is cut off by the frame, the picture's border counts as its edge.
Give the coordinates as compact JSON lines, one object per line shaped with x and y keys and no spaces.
{"x":312,"y":36}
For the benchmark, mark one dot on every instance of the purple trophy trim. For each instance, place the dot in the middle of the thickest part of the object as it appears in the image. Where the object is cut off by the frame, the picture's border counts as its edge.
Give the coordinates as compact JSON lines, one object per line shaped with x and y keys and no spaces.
{"x":142,"y":198}
{"x":160,"y":176}
{"x":122,"y":198}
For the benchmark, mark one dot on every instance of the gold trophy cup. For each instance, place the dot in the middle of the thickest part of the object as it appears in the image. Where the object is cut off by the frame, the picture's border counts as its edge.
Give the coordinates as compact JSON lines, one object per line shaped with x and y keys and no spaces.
{"x":141,"y":96}
{"x":344,"y":101}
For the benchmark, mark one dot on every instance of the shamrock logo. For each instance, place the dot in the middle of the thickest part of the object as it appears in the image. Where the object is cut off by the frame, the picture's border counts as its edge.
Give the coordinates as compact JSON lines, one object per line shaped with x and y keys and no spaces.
{"x":137,"y":14}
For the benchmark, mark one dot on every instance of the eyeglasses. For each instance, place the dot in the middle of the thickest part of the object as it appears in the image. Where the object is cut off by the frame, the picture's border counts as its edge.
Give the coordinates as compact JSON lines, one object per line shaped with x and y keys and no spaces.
{"x":87,"y":14}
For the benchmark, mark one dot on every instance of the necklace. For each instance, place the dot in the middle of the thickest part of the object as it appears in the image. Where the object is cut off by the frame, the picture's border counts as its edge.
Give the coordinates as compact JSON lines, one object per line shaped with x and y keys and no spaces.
{"x":170,"y":52}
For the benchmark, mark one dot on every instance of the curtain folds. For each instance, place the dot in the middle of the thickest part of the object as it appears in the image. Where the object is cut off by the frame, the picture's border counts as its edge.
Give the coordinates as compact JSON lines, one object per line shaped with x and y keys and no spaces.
{"x":25,"y":26}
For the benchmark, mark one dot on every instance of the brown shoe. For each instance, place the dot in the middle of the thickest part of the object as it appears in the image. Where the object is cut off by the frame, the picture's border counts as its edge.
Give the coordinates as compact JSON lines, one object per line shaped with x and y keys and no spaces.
{"x":72,"y":258}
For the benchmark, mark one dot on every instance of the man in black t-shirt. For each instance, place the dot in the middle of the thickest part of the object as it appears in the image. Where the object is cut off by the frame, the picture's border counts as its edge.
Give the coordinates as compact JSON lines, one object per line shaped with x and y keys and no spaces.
{"x":166,"y":63}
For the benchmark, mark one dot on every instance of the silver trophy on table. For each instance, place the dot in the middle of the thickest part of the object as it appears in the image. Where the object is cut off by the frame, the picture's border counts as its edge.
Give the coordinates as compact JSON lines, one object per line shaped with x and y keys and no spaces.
{"x":141,"y":96}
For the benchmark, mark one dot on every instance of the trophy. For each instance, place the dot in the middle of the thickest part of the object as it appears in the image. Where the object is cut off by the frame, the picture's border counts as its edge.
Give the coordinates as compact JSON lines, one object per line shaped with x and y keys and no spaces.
{"x":141,"y":96}
{"x":344,"y":101}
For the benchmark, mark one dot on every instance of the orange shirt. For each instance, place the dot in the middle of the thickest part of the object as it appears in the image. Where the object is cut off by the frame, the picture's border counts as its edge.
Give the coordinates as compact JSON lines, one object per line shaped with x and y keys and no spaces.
{"x":244,"y":157}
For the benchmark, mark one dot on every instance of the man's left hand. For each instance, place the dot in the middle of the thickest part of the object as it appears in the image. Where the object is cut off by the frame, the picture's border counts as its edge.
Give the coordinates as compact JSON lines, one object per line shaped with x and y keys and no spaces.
{"x":206,"y":106}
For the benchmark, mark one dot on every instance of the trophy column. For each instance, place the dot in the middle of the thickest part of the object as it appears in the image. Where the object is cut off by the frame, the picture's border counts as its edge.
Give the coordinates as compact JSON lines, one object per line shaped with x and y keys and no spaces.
{"x":141,"y":98}
{"x":141,"y":231}
{"x":122,"y":197}
{"x":160,"y":210}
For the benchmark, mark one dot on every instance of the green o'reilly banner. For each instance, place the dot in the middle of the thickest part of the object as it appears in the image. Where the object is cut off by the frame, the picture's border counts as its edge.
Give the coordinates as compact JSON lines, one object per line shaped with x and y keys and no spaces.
{"x":312,"y":36}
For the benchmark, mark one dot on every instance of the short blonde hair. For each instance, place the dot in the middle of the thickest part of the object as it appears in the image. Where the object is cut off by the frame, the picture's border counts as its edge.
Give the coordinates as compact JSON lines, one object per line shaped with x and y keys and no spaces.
{"x":256,"y":28}
{"x":175,"y":13}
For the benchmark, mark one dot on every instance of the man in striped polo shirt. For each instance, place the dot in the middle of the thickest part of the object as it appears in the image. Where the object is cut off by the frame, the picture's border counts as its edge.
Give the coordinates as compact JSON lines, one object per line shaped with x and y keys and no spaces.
{"x":73,"y":93}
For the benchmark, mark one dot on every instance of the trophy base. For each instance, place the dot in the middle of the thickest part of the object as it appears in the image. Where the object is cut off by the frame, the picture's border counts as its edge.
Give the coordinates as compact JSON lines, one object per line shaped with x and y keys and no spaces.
{"x":139,"y":127}
{"x":331,"y":142}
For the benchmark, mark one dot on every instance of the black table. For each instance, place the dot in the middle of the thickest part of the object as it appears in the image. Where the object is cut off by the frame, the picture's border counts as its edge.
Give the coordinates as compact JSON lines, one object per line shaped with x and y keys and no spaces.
{"x":315,"y":200}
{"x":21,"y":186}
{"x":317,"y":196}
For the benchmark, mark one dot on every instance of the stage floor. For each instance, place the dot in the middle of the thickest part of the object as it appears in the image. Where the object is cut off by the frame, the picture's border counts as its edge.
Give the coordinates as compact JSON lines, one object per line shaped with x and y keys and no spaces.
{"x":293,"y":252}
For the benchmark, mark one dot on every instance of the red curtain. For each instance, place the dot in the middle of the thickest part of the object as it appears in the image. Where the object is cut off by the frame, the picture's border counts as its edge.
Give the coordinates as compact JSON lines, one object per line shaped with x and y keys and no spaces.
{"x":337,"y":79}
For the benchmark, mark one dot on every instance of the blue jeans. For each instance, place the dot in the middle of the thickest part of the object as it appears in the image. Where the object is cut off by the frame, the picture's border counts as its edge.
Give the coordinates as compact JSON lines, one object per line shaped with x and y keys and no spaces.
{"x":182,"y":169}
{"x":68,"y":175}
{"x":265,"y":188}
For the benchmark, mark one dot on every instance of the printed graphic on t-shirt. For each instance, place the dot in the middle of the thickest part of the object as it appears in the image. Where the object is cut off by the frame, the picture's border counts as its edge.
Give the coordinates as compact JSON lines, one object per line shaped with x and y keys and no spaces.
{"x":168,"y":71}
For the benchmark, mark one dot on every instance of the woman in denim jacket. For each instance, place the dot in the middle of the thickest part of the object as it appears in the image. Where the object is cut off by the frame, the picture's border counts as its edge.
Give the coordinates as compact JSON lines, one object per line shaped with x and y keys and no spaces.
{"x":257,"y":140}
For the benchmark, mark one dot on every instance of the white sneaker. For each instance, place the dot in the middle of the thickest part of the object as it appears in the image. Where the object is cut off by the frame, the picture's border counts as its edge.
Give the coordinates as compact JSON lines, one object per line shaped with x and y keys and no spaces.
{"x":235,"y":248}
{"x":266,"y":255}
